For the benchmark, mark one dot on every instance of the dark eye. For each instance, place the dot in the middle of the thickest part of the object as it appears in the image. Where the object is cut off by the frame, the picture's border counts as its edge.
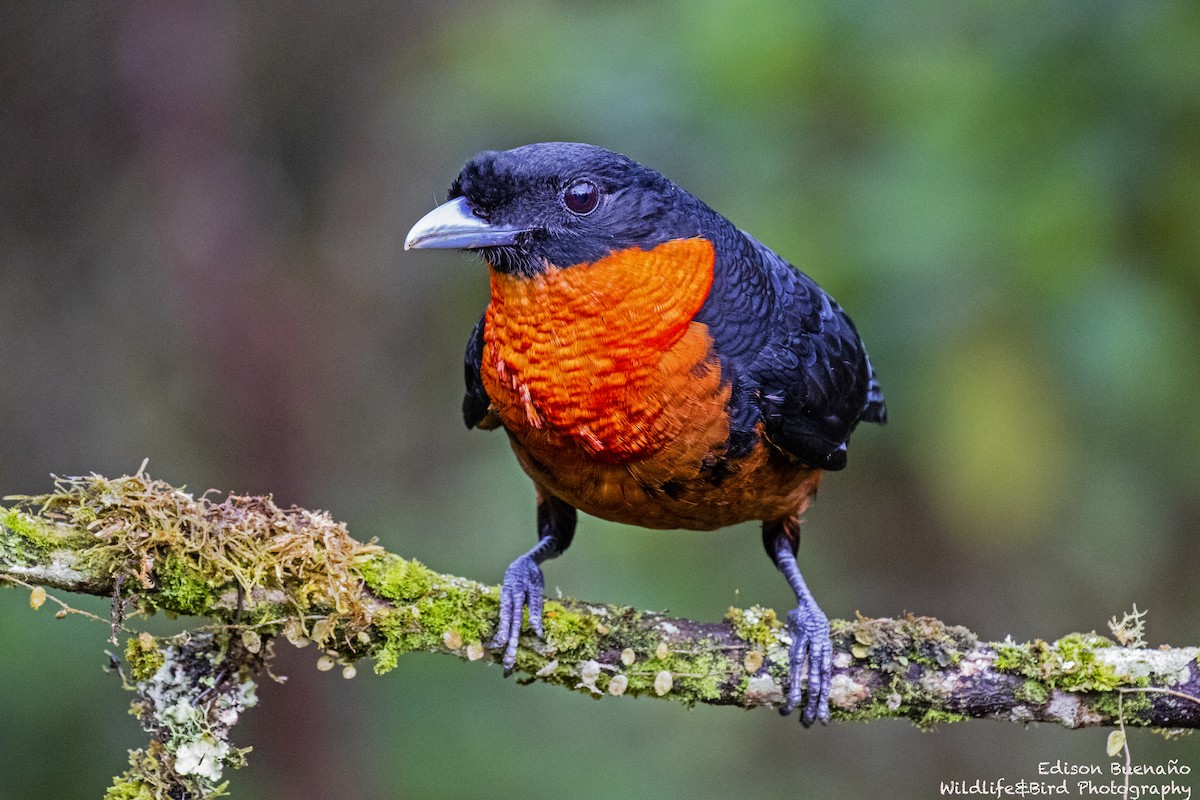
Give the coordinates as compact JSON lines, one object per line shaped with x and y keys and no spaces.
{"x":581,"y":197}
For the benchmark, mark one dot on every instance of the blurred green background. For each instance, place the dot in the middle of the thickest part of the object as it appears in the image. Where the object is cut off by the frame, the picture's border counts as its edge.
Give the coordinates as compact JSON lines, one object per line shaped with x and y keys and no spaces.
{"x":201,"y":215}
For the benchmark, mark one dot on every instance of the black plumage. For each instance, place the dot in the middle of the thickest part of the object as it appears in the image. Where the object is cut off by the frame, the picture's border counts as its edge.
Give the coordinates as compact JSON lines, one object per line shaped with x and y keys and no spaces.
{"x":802,"y":369}
{"x":475,"y":401}
{"x":793,"y":378}
{"x":794,"y":357}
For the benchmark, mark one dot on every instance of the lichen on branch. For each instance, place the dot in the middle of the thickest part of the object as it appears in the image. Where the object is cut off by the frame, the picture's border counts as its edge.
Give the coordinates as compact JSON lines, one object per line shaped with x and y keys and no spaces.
{"x":190,"y":693}
{"x":257,"y":572}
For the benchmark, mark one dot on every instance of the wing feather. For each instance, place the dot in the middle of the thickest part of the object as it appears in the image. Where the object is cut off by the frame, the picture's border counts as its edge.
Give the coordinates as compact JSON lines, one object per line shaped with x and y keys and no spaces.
{"x":798,"y":363}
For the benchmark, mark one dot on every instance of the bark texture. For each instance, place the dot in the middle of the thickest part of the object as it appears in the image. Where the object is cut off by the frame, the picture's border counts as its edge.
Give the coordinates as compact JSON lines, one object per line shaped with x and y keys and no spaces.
{"x":258,"y":575}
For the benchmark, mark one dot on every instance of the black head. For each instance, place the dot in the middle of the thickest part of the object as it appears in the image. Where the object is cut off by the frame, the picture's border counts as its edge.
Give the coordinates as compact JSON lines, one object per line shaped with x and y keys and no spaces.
{"x":557,"y":204}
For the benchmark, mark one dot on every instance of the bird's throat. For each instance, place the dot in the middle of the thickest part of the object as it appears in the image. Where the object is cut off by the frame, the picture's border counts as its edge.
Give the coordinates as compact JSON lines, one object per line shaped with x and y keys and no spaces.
{"x":596,"y":355}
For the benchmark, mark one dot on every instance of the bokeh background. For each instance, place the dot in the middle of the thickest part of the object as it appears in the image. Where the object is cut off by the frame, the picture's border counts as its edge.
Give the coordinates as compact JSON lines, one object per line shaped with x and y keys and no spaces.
{"x":202,"y":209}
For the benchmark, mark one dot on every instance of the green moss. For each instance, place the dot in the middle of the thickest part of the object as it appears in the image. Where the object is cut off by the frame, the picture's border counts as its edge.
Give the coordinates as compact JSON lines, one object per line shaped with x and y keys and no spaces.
{"x":144,"y":656}
{"x":701,"y":678}
{"x":1034,"y":692}
{"x":400,"y":636}
{"x":626,"y":628}
{"x":1073,"y":665}
{"x":572,"y":634}
{"x":696,"y":674}
{"x":1019,"y":658}
{"x":33,"y":535}
{"x":182,"y":587}
{"x":1069,"y":663}
{"x":32,"y":530}
{"x":457,"y":610}
{"x":911,"y":652}
{"x":144,"y":780}
{"x":756,"y":625}
{"x":179,"y":552}
{"x":1111,"y":705}
{"x":398,"y":579}
{"x":428,"y":605}
{"x":128,"y":790}
{"x":415,"y":623}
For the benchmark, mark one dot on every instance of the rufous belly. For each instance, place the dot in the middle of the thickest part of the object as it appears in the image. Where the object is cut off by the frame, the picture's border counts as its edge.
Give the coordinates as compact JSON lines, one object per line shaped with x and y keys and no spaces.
{"x":614,"y":401}
{"x":672,"y":489}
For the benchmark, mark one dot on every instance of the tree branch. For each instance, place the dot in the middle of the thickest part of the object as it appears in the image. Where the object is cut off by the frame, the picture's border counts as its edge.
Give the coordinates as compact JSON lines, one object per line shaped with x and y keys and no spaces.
{"x":256,"y":572}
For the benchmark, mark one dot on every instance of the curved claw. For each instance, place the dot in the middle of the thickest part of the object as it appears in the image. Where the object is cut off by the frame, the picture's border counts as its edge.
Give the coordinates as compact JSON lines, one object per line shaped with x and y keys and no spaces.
{"x":810,"y":662}
{"x":522,"y":587}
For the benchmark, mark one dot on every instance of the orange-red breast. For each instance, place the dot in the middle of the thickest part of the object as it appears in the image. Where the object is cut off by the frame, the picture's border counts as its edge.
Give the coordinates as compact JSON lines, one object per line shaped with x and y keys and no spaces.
{"x":652,"y":365}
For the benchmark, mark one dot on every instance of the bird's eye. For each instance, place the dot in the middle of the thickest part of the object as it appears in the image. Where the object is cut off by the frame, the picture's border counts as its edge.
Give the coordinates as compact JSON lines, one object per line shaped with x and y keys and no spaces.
{"x":581,"y":197}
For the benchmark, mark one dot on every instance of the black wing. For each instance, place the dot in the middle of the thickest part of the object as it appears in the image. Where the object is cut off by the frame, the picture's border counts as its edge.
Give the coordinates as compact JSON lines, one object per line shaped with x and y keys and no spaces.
{"x":476,"y":401}
{"x":815,"y":380}
{"x":798,"y":363}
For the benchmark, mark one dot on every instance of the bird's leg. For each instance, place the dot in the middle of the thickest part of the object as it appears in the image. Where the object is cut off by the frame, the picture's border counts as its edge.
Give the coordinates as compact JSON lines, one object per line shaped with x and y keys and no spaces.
{"x":811,"y":654}
{"x":523,"y":581}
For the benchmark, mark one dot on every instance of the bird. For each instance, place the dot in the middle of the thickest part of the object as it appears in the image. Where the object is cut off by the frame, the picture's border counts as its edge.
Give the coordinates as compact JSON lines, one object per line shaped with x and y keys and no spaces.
{"x":653,"y":365}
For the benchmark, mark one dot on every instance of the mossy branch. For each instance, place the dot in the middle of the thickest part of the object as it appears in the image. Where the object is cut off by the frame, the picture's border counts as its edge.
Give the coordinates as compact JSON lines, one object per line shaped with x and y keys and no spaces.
{"x":257,"y":572}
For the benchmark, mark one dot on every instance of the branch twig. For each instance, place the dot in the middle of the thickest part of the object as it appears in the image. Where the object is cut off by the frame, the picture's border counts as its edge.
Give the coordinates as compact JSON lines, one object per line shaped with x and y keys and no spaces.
{"x":249,"y":566}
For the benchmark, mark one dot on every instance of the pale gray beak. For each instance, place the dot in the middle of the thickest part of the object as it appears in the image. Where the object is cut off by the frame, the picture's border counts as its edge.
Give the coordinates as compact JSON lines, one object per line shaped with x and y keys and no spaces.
{"x":453,"y":226}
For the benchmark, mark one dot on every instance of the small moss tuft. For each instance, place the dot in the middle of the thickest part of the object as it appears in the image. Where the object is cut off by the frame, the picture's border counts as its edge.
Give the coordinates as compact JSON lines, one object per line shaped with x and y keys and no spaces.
{"x":1069,"y":663}
{"x":146,"y":779}
{"x":756,"y":625}
{"x":144,"y":656}
{"x":182,"y":587}
{"x":1033,"y":692}
{"x":27,"y":534}
{"x":570,"y":633}
{"x":701,"y":678}
{"x":1073,"y":664}
{"x":1132,"y":706}
{"x":123,"y":789}
{"x":1019,"y":658}
{"x":398,"y":579}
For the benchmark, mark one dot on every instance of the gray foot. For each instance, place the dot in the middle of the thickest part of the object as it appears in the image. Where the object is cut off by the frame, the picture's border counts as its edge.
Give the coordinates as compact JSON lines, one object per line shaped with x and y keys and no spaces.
{"x":522,"y":587}
{"x":810,"y":663}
